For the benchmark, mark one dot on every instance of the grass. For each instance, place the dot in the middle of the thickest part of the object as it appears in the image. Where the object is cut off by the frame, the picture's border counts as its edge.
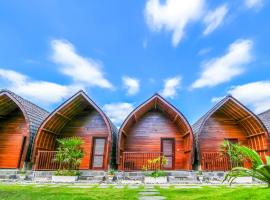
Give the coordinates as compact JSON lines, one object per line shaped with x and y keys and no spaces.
{"x":33,"y":192}
{"x":17,"y":192}
{"x":221,"y":193}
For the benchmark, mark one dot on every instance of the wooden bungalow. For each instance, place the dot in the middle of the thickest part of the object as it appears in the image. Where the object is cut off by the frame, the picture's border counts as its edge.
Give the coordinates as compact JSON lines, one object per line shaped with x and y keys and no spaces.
{"x":265,"y":118}
{"x":232,"y":121}
{"x":79,"y":116}
{"x":19,"y":121}
{"x":153,"y":129}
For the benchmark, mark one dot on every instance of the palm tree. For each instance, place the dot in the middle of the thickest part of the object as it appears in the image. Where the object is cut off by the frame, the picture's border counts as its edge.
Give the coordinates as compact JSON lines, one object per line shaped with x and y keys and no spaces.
{"x":258,"y":169}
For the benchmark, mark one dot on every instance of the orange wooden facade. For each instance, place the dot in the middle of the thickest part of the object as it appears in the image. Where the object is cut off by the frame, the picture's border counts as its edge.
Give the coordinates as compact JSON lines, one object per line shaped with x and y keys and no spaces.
{"x":228,"y":120}
{"x":16,"y":129}
{"x":79,"y":116}
{"x":155,"y":127}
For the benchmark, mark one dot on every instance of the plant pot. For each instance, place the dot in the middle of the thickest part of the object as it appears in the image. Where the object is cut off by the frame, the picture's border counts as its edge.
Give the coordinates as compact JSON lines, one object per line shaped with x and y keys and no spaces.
{"x":155,"y":180}
{"x":22,"y":176}
{"x":200,"y":178}
{"x":64,"y":179}
{"x":110,"y":177}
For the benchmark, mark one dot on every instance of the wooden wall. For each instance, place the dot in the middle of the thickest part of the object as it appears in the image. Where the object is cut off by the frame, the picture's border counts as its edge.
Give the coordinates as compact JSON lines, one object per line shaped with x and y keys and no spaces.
{"x":84,"y":122}
{"x":86,"y":125}
{"x":146,"y":134}
{"x":13,"y":128}
{"x":217,"y":128}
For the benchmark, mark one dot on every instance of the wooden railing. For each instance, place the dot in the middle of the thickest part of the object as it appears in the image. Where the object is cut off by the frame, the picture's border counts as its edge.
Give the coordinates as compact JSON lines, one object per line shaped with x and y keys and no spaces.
{"x":132,"y":161}
{"x":214,"y":161}
{"x":46,"y":161}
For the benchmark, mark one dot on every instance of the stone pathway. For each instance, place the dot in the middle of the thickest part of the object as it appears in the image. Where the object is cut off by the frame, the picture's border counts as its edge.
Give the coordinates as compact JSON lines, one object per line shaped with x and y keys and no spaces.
{"x":149,"y":193}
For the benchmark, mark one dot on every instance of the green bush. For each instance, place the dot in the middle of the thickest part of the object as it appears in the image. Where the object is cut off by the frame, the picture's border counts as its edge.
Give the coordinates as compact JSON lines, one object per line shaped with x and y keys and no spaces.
{"x":69,"y":155}
{"x":158,"y":163}
{"x":156,"y":174}
{"x":67,"y":173}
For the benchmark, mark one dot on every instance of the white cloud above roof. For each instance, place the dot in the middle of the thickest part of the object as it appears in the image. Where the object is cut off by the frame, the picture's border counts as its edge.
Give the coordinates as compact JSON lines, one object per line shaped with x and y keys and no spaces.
{"x":224,"y":68}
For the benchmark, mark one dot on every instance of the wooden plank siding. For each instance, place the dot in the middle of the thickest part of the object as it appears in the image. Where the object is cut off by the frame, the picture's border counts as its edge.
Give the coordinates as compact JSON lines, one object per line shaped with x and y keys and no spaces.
{"x":151,"y":122}
{"x":19,"y":120}
{"x":78,"y":116}
{"x":228,"y":119}
{"x":13,"y":129}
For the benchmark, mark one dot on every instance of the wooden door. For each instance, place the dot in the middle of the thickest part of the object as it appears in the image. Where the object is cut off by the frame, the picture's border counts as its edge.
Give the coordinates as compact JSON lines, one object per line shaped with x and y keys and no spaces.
{"x":167,"y":148}
{"x":98,"y":153}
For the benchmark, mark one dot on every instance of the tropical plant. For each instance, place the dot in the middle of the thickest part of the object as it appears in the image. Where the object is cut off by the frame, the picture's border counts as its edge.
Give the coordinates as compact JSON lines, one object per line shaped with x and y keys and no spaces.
{"x":69,"y":155}
{"x":157,"y":163}
{"x":111,"y":172}
{"x":228,"y":149}
{"x":258,"y":169}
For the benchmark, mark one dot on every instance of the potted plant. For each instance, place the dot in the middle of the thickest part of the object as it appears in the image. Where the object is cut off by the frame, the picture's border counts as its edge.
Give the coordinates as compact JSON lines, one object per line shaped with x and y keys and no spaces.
{"x":111,"y":175}
{"x":157,"y":176}
{"x":200,"y":175}
{"x":69,"y":155}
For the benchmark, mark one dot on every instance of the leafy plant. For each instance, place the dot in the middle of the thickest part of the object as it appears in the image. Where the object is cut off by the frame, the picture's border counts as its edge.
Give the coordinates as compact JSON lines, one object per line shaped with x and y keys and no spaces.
{"x":67,"y":173}
{"x":111,"y":172}
{"x":69,"y":154}
{"x":258,"y":169}
{"x":229,"y":149}
{"x":199,"y":173}
{"x":158,"y":164}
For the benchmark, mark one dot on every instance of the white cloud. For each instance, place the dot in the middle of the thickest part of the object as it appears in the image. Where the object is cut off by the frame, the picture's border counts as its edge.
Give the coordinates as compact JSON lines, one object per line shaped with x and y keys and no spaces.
{"x":217,"y":99}
{"x":255,"y":95}
{"x":117,"y":112}
{"x":223,"y":69}
{"x":254,"y":3}
{"x":171,"y":86}
{"x":173,"y":15}
{"x":131,"y":84}
{"x":40,"y":92}
{"x":214,"y":19}
{"x":204,"y":51}
{"x":82,"y":70}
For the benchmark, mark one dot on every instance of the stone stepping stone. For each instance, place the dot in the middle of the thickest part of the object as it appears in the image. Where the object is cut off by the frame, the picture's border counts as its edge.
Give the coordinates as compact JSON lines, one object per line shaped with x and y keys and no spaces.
{"x":119,"y":186}
{"x":149,"y":190}
{"x":104,"y":186}
{"x":79,"y":186}
{"x":149,"y":193}
{"x":152,"y":198}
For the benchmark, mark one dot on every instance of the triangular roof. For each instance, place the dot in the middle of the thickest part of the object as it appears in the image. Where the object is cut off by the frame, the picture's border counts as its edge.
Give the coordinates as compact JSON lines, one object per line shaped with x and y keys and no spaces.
{"x":198,"y":126}
{"x":158,"y":101}
{"x":34,"y":115}
{"x":265,"y":118}
{"x":81,"y":93}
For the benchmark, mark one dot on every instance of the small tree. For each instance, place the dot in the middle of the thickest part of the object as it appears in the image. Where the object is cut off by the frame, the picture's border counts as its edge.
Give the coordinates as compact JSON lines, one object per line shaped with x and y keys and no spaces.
{"x":69,"y":153}
{"x":229,"y":150}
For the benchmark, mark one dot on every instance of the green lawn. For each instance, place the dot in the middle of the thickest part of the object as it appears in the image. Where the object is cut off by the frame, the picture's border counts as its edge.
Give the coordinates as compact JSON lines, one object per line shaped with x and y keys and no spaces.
{"x":221,"y":193}
{"x":33,"y":192}
{"x":8,"y":192}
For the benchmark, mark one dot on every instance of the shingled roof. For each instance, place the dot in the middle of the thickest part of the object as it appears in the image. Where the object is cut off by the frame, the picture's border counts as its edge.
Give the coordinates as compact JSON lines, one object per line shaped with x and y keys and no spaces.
{"x":265,"y":118}
{"x":197,"y":127}
{"x":33,"y":114}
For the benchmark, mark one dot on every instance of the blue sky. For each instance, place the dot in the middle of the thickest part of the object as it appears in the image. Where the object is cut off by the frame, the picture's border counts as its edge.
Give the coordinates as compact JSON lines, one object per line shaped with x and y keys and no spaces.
{"x":122,"y":52}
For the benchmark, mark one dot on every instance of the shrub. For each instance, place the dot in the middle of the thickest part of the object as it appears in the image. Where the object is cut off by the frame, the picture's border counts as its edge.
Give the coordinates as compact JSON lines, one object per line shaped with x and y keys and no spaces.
{"x":156,"y":163}
{"x":69,"y":155}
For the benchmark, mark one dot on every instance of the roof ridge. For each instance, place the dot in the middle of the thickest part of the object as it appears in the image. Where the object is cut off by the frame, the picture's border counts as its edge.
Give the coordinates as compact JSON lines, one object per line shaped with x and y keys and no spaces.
{"x":22,"y":98}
